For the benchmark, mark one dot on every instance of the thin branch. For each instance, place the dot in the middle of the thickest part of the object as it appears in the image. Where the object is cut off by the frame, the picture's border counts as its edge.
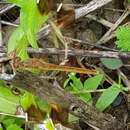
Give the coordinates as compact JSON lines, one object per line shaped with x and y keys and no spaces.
{"x":114,"y":10}
{"x":90,"y":44}
{"x":90,"y":7}
{"x":1,"y":40}
{"x":78,"y":52}
{"x":8,"y":23}
{"x":17,"y":116}
{"x":6,"y":8}
{"x":88,"y":91}
{"x":124,"y":78}
{"x":107,"y":35}
{"x":100,"y":20}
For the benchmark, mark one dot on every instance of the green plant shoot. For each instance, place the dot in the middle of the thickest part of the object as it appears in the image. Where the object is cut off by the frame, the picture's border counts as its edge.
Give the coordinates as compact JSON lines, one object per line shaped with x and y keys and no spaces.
{"x":123,"y":38}
{"x":81,"y":90}
{"x":31,"y":21}
{"x":90,"y":84}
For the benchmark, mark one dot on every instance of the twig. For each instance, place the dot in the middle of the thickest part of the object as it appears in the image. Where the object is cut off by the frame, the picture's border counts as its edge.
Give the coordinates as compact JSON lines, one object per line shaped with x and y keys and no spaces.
{"x":6,"y":8}
{"x":1,"y":40}
{"x":116,"y":10}
{"x":105,"y":38}
{"x":17,"y":116}
{"x":8,"y":23}
{"x":88,"y":91}
{"x":100,"y":20}
{"x":74,"y":5}
{"x":91,"y":6}
{"x":78,"y":52}
{"x":124,"y":78}
{"x":61,"y":38}
{"x":90,"y":44}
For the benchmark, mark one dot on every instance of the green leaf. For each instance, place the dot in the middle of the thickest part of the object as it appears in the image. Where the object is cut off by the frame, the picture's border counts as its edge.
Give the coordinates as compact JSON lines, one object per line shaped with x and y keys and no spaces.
{"x":49,"y":125}
{"x":21,"y":49}
{"x":15,"y":39}
{"x":31,"y":21}
{"x":18,"y":41}
{"x":43,"y":105}
{"x":27,"y":100}
{"x":8,"y":120}
{"x":14,"y":127}
{"x":112,"y":63}
{"x":123,"y":38}
{"x":91,"y":84}
{"x":87,"y":98}
{"x":107,"y":97}
{"x":66,"y":82}
{"x":2,"y":83}
{"x":77,"y":84}
{"x":8,"y":99}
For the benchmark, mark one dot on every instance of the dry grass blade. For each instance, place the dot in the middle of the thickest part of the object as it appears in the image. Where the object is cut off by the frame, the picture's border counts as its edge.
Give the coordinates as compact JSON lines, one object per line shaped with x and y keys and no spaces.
{"x":60,"y":37}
